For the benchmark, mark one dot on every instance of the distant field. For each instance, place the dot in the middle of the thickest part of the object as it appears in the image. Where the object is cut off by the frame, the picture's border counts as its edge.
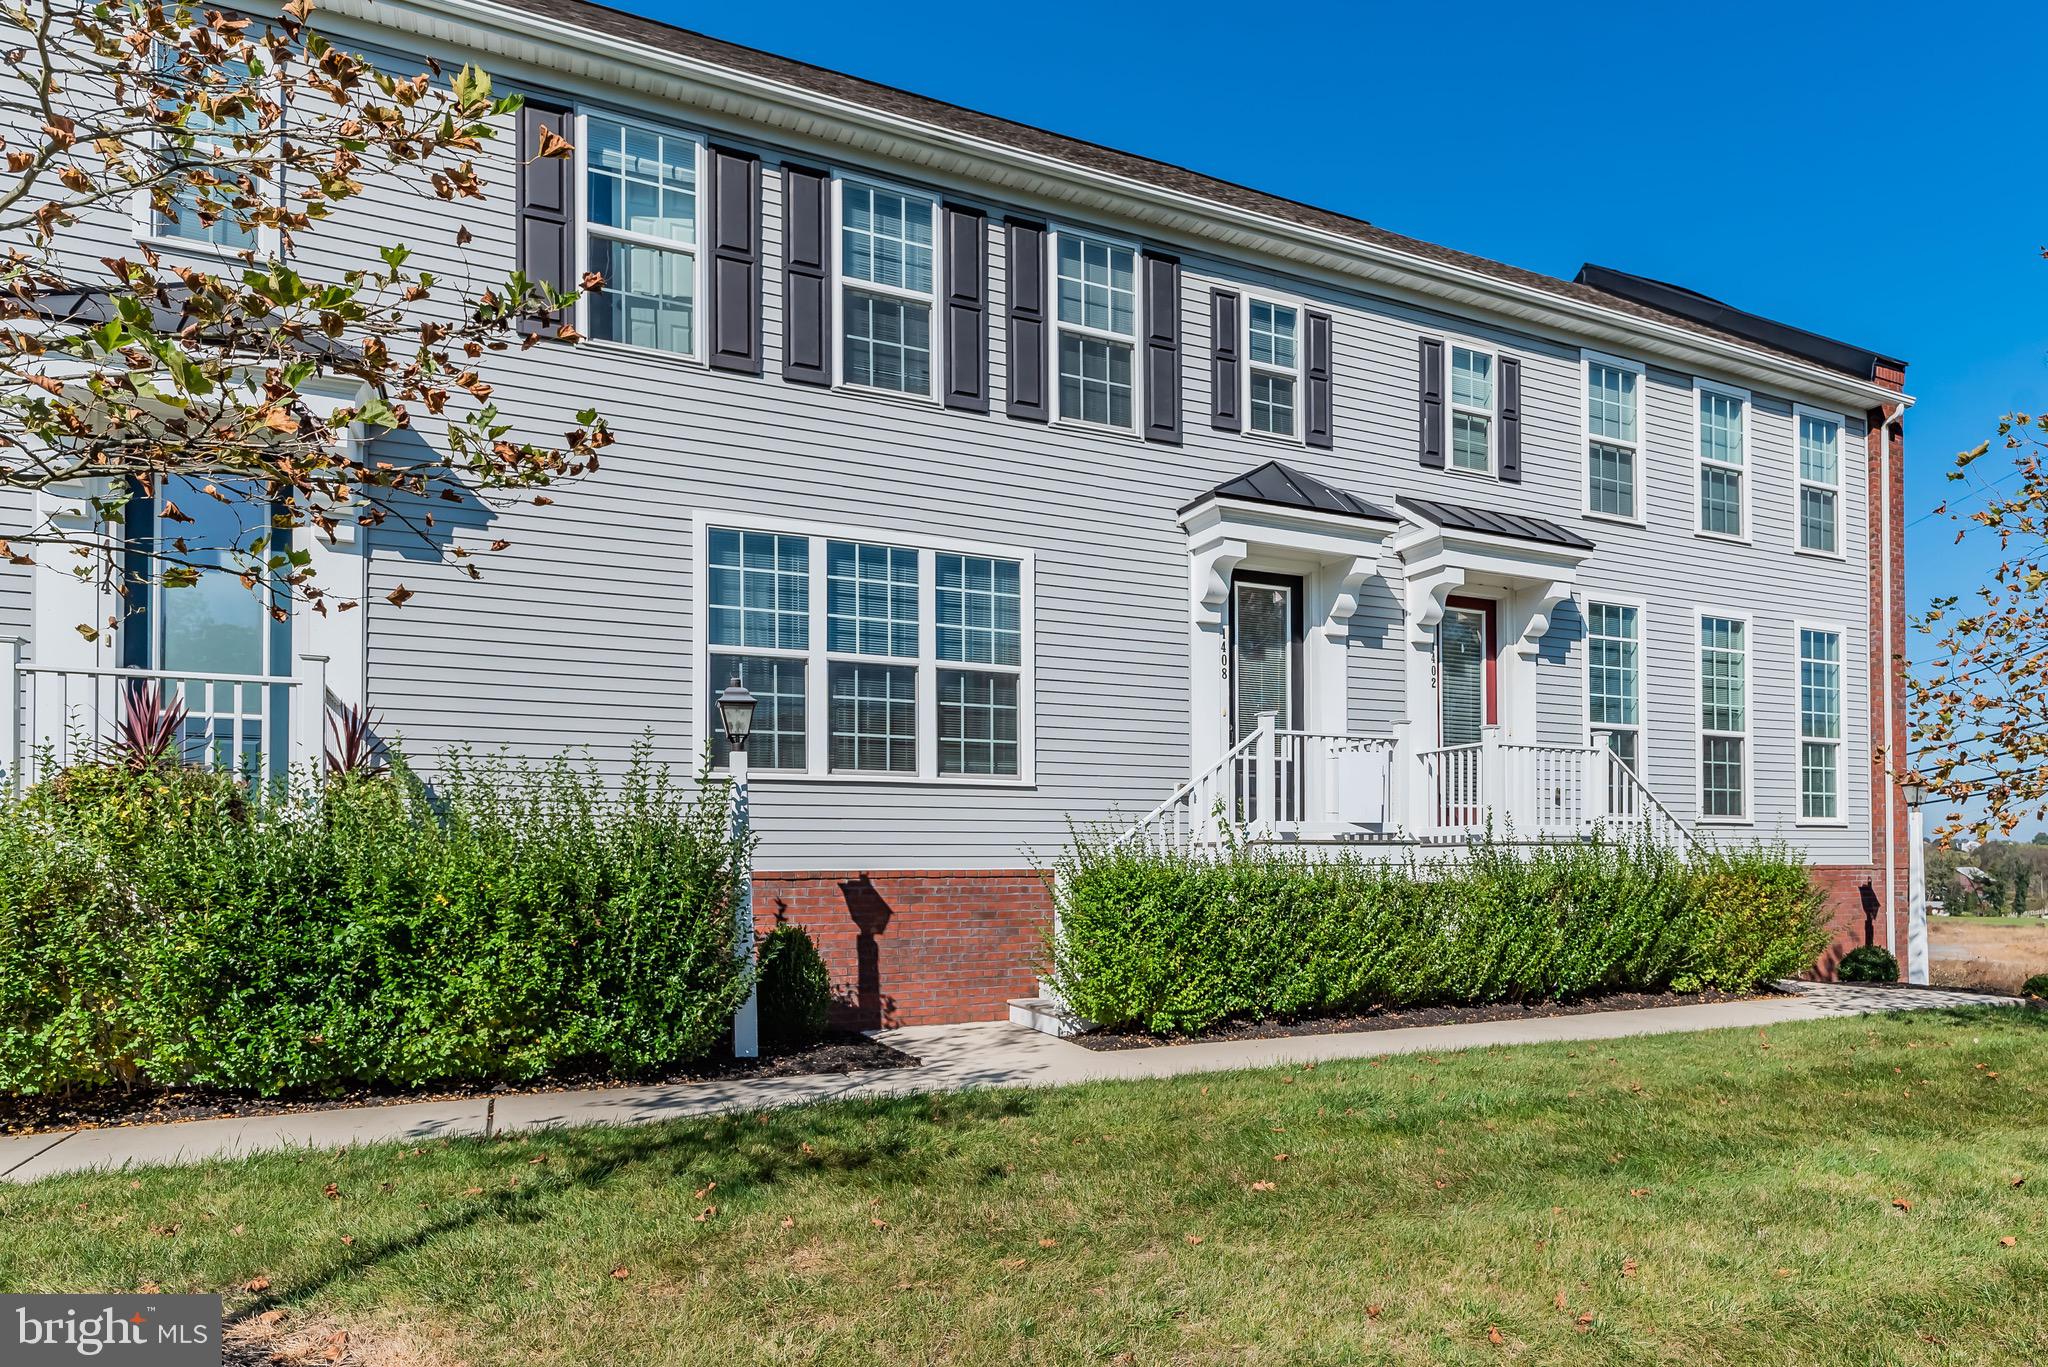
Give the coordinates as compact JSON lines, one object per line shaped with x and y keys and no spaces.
{"x":1993,"y":952}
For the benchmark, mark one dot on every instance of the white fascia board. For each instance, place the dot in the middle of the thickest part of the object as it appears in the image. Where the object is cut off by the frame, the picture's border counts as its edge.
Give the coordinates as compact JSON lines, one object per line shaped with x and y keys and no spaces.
{"x":807,"y":117}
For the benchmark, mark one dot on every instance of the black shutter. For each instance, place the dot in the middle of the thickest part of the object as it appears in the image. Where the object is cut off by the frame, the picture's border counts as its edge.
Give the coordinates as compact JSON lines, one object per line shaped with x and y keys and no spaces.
{"x":735,"y":261}
{"x":547,"y":205}
{"x":1432,"y":407}
{"x":1318,"y":421}
{"x":806,"y":275}
{"x":966,"y":320}
{"x":1162,"y":349}
{"x":1226,"y":376}
{"x":1510,"y":420}
{"x":1025,"y":269}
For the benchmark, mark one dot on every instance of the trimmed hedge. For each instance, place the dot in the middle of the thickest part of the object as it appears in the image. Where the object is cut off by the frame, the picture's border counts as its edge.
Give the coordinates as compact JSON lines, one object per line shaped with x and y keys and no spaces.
{"x":503,"y":922}
{"x":796,"y":991}
{"x":1171,"y":942}
{"x":1868,"y":964}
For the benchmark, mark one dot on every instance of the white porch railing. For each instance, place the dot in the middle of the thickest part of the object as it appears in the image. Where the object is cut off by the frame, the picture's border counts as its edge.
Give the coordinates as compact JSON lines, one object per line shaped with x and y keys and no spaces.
{"x":1310,"y":785}
{"x":253,"y":724}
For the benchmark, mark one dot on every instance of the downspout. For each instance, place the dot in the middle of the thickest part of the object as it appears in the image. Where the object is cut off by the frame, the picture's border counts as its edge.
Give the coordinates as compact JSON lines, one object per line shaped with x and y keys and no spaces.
{"x":1891,"y":779}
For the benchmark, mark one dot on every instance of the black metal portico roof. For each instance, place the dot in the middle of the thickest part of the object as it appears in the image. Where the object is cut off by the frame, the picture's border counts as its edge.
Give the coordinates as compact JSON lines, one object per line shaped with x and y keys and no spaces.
{"x":1283,"y":486}
{"x":1519,"y":526}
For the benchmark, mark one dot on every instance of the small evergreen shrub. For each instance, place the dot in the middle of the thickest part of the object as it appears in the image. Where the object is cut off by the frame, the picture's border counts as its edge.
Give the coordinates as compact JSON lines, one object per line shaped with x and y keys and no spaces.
{"x":796,"y":991}
{"x":1868,"y":964}
{"x":2036,"y":986}
{"x":1172,"y":941}
{"x":159,"y":926}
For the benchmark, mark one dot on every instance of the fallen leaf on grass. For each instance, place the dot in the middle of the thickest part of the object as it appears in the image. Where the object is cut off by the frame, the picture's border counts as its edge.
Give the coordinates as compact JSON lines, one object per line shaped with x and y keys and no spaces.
{"x":1441,"y":1184}
{"x":705,"y":1190}
{"x":1048,"y":1243}
{"x":789,"y":1222}
{"x":1014,"y":1263}
{"x":270,"y":1317}
{"x":1195,"y":1238}
{"x":621,"y":1272}
{"x":1559,"y":1301}
{"x":1639,"y":1191}
{"x":1901,"y":1203}
{"x":1372,"y":1312}
{"x":1781,"y":1272}
{"x":878,"y":1222}
{"x":331,"y":1192}
{"x":2007,"y":1242}
{"x":1264,"y":1186}
{"x":1493,"y":1336}
{"x":257,"y":1283}
{"x":1585,"y":1322}
{"x":1628,"y":1267}
{"x":709,"y":1211}
{"x":348,"y":1238}
{"x":2019,"y":1181}
{"x":1279,"y":1158}
{"x":473,"y":1191}
{"x":337,"y":1346}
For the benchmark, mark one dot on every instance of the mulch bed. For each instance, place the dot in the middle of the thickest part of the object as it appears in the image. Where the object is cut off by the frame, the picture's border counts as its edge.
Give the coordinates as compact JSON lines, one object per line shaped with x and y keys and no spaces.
{"x":838,"y":1052}
{"x":1400,"y":1018}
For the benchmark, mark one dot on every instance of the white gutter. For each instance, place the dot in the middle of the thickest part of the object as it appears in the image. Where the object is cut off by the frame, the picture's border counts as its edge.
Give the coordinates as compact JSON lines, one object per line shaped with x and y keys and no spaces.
{"x":563,"y":47}
{"x":1892,"y":761}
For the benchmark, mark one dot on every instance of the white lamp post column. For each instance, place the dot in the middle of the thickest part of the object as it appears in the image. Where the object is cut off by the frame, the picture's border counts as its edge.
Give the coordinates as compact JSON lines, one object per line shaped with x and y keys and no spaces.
{"x":736,"y":711}
{"x":1916,"y":882}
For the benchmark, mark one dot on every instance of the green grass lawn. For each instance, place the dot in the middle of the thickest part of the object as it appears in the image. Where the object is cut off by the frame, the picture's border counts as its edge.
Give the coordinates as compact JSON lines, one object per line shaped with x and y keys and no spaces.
{"x":1831,"y":1192}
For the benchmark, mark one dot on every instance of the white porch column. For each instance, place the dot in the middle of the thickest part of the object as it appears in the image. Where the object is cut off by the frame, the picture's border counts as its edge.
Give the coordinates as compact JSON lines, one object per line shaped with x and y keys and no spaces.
{"x":1916,"y":895}
{"x":11,"y":710}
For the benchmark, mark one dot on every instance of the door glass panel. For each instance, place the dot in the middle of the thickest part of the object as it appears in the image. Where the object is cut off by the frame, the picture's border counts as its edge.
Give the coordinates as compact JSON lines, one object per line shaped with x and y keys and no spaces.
{"x":1461,"y":674}
{"x":1263,"y":663}
{"x":215,"y":625}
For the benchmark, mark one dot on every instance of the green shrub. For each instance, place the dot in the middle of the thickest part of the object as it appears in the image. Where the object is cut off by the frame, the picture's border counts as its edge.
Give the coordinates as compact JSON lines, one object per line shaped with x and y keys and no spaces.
{"x":1176,"y":941}
{"x":1868,"y":964}
{"x":796,"y":991}
{"x":499,"y":922}
{"x":2036,"y":986}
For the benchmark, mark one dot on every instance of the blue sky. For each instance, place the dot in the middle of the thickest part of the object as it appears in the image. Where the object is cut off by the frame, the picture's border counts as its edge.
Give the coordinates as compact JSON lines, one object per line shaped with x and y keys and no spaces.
{"x":1864,"y":171}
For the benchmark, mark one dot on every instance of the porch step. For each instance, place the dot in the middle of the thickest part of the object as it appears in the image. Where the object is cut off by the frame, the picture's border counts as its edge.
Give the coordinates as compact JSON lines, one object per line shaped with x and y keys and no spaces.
{"x":1048,"y":1017}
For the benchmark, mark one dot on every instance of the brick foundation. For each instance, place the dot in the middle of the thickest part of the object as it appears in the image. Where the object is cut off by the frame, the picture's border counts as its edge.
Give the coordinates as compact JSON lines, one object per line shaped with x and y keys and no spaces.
{"x":916,"y":946}
{"x":1855,"y":911}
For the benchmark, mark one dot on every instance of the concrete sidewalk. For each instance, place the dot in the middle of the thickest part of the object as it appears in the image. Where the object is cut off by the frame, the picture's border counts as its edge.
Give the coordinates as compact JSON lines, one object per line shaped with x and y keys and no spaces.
{"x":953,"y":1058}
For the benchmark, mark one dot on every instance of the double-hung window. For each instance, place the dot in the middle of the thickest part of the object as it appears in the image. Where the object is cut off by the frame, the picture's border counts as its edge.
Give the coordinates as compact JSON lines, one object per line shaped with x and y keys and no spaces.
{"x":1820,"y":724}
{"x":1472,"y":398}
{"x":1820,"y":482}
{"x":640,"y":217}
{"x":1614,"y":679}
{"x":1273,"y":375}
{"x":1723,"y":445}
{"x":1096,"y":339}
{"x":1724,"y":718}
{"x":889,"y":288}
{"x":212,"y":152}
{"x":1614,"y":438}
{"x":870,"y":658}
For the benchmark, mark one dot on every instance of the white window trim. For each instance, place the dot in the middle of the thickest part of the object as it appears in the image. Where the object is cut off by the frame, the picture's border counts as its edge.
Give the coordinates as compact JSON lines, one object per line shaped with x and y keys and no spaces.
{"x":841,"y":285}
{"x":1642,"y":726}
{"x":1800,"y":482}
{"x":1700,"y":461}
{"x":150,"y":233}
{"x":818,"y":660}
{"x":1452,"y":345}
{"x":1840,"y":820}
{"x":1299,"y":372}
{"x":585,"y":233}
{"x":1136,"y":340}
{"x":1747,"y":734}
{"x":1587,"y":360}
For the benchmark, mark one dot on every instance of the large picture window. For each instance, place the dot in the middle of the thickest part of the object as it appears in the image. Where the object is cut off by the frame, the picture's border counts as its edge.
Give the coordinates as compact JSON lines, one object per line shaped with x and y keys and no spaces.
{"x":1724,"y":718}
{"x":1820,"y":724}
{"x":640,"y":222}
{"x":870,"y":658}
{"x":889,"y":288}
{"x":1096,"y":340}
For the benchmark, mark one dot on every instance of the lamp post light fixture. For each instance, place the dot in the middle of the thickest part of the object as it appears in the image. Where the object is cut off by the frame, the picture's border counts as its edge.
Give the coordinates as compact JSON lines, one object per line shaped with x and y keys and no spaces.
{"x":1914,"y":789}
{"x":736,"y":713}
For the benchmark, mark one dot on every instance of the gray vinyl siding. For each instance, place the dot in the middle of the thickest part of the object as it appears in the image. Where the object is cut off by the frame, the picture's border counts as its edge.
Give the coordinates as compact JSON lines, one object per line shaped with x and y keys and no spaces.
{"x":581,"y":634}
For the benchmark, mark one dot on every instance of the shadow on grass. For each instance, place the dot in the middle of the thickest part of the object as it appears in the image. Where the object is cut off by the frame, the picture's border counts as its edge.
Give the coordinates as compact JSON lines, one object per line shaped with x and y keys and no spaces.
{"x":883,"y":1138}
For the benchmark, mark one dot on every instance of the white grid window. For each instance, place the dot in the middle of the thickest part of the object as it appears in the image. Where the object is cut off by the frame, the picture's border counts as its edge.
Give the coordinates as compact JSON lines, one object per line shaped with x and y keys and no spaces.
{"x":1722,"y":451}
{"x":1820,"y":724}
{"x":871,"y":599}
{"x":1820,"y":484}
{"x":1097,"y":284}
{"x":1724,"y":718}
{"x":1471,"y":409}
{"x":1613,"y":439}
{"x":1273,"y":348}
{"x":640,"y":215}
{"x":890,"y":292}
{"x":1614,"y":679}
{"x":213,"y":152}
{"x":867,"y":658}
